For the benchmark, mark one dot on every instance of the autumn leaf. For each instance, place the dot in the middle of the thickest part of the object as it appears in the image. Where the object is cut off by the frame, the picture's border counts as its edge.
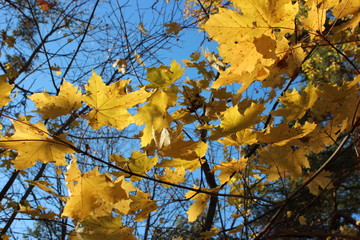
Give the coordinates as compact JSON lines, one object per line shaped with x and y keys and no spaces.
{"x":110,"y":103}
{"x":229,"y":168}
{"x":93,"y":193}
{"x":47,"y":187}
{"x":339,"y":101}
{"x":233,"y":121}
{"x":322,"y":181}
{"x":37,"y":212}
{"x":33,"y":143}
{"x":175,"y":176}
{"x":108,"y":227}
{"x":180,"y":163}
{"x":141,"y":201}
{"x":68,"y":100}
{"x":154,"y":114}
{"x":242,"y":137}
{"x":315,"y":18}
{"x":297,"y":104}
{"x":138,"y":163}
{"x":345,"y":8}
{"x":5,"y":90}
{"x":44,"y":5}
{"x":284,"y":161}
{"x":56,"y":69}
{"x":282,"y":135}
{"x":163,"y":76}
{"x":172,"y":28}
{"x":120,"y":64}
{"x":178,"y":148}
{"x":247,"y":39}
{"x":302,"y":220}
{"x":142,"y":29}
{"x":198,"y":206}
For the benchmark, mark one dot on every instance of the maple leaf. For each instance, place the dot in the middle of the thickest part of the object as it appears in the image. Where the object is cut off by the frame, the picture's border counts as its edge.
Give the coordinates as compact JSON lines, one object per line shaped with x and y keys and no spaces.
{"x":198,"y":206}
{"x":339,"y":101}
{"x":316,"y":140}
{"x":247,"y":40}
{"x":33,"y":143}
{"x":257,"y":17}
{"x":5,"y":90}
{"x":142,"y":29}
{"x":108,"y":227}
{"x":228,"y":168}
{"x":43,"y":185}
{"x":139,"y":163}
{"x":44,"y":5}
{"x":178,"y":148}
{"x":176,"y":176}
{"x":68,"y":100}
{"x":322,"y":181}
{"x":286,"y":65}
{"x":296,"y":104}
{"x":154,"y":114}
{"x":315,"y":18}
{"x":93,"y":193}
{"x":38,"y":212}
{"x":282,"y":135}
{"x":180,"y":163}
{"x":346,"y":8}
{"x":110,"y":103}
{"x":302,"y":220}
{"x":141,"y":201}
{"x":172,"y":27}
{"x":283,"y":161}
{"x":242,"y":137}
{"x":164,"y":76}
{"x":233,"y":121}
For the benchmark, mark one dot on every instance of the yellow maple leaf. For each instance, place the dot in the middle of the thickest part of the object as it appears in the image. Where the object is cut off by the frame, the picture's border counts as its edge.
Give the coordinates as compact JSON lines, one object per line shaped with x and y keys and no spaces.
{"x":173,"y":27}
{"x":284,"y":161}
{"x":345,"y":8}
{"x":33,"y":143}
{"x":108,"y":227}
{"x":68,"y":100}
{"x":198,"y":206}
{"x":242,"y":137}
{"x":302,"y":220}
{"x":164,"y":76}
{"x":141,"y":201}
{"x":228,"y":168}
{"x":37,"y":212}
{"x":93,"y":193}
{"x":154,"y":114}
{"x":5,"y":90}
{"x":110,"y":103}
{"x":322,"y":181}
{"x":139,"y":163}
{"x":43,"y":185}
{"x":297,"y":104}
{"x":233,"y":121}
{"x":315,"y":18}
{"x":257,"y":17}
{"x":178,"y":148}
{"x":339,"y":101}
{"x":176,"y":176}
{"x":142,"y":29}
{"x":248,"y":41}
{"x":180,"y":163}
{"x":286,"y":65}
{"x":282,"y":135}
